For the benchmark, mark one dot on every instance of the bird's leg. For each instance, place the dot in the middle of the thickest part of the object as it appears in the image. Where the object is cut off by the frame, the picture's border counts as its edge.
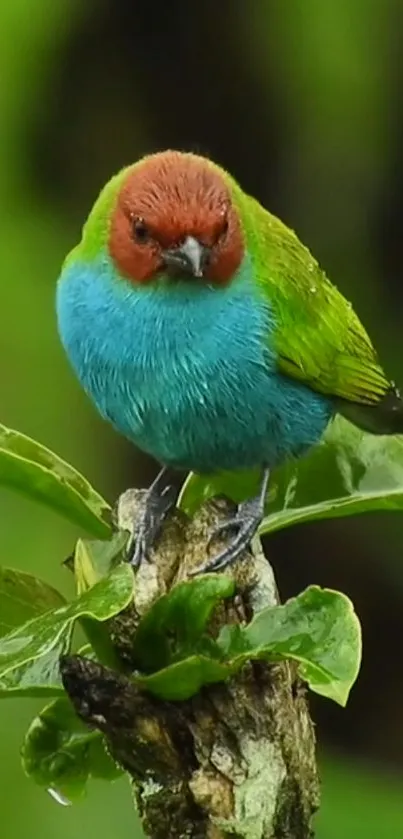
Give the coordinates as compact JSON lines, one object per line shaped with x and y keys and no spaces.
{"x":244,"y":525}
{"x":161,"y":497}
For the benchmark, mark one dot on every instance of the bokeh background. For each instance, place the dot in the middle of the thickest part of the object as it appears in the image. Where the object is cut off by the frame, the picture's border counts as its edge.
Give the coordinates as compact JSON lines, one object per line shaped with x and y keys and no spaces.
{"x":303,"y":101}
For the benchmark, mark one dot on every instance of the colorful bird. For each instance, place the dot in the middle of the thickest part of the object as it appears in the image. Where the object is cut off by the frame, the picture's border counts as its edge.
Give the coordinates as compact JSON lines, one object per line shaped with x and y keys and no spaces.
{"x":207,"y":334}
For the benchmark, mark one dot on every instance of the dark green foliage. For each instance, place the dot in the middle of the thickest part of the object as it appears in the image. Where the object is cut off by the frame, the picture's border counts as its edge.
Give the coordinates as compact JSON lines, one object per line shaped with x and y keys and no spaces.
{"x":318,"y":629}
{"x":349,"y":472}
{"x":174,"y":650}
{"x":30,"y":468}
{"x":60,"y":753}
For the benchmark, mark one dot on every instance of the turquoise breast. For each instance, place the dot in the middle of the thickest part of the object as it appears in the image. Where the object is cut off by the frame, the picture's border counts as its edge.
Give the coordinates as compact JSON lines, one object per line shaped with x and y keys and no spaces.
{"x":186,"y":370}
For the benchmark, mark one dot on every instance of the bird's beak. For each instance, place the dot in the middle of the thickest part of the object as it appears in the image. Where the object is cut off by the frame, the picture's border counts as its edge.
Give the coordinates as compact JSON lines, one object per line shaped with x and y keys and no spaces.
{"x":191,"y":257}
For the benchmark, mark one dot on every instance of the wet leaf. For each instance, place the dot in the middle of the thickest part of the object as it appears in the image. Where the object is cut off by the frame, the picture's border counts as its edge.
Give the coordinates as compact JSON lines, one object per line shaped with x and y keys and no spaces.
{"x":102,"y":764}
{"x":39,"y":636}
{"x":37,"y":678}
{"x":94,"y":559}
{"x":177,"y":621}
{"x":41,"y":475}
{"x":319,"y":629}
{"x":349,"y":472}
{"x":184,"y":679}
{"x":22,"y":597}
{"x":60,"y":753}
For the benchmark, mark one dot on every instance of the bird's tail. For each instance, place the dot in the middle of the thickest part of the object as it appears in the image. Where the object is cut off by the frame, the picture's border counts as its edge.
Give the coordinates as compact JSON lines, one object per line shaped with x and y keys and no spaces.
{"x":386,"y":417}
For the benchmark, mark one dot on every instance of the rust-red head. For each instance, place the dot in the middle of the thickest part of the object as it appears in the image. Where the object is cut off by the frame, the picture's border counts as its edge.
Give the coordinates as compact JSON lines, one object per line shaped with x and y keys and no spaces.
{"x":174,"y":216}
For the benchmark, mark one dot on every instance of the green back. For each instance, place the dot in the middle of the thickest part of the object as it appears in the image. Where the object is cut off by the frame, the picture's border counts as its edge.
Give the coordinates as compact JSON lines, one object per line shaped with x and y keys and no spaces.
{"x":319,"y":339}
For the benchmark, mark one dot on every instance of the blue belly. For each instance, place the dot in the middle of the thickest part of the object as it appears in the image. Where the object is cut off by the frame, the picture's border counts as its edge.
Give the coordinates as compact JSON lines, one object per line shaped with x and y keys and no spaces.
{"x":184,"y":371}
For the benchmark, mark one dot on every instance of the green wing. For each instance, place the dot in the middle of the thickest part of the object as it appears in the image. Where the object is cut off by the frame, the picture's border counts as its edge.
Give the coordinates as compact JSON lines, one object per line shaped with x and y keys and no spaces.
{"x":319,"y":339}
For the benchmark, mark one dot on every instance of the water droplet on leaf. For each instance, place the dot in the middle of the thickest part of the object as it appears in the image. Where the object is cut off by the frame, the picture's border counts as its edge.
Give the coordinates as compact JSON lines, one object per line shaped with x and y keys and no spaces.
{"x":57,"y":796}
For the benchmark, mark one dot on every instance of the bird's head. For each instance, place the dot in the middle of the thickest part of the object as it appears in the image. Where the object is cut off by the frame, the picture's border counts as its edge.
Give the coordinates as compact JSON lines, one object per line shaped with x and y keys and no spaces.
{"x":173,"y":216}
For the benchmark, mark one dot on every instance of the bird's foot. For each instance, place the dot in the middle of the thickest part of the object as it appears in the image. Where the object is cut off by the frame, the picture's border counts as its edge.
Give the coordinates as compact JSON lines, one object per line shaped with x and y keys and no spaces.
{"x":160,"y":499}
{"x":244,"y":525}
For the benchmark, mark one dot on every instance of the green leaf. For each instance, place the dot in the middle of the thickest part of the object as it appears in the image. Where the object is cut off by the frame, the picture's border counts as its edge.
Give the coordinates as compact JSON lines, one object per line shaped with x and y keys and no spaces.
{"x":349,"y":472}
{"x":94,"y":559}
{"x":40,"y":677}
{"x":22,"y":597}
{"x":319,"y":629}
{"x":41,"y":475}
{"x":102,"y":764}
{"x":37,"y":678}
{"x":237,"y":486}
{"x":175,"y":623}
{"x":185,"y":678}
{"x":60,"y":753}
{"x":39,"y":636}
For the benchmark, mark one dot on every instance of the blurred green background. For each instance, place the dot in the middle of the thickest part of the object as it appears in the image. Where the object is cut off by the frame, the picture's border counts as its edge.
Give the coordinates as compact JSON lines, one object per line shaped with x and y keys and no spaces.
{"x":303,"y":101}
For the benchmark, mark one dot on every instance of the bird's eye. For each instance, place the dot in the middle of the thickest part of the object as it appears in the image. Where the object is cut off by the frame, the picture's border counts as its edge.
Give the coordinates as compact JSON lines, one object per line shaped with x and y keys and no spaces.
{"x":141,"y":232}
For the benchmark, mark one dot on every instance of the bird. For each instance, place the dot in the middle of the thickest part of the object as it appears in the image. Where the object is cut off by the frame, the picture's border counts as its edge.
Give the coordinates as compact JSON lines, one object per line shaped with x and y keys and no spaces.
{"x":207,"y":334}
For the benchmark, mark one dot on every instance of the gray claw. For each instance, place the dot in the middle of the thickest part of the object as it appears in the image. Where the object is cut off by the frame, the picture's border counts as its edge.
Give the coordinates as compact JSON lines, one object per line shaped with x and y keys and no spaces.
{"x":245,"y":523}
{"x":159,"y":501}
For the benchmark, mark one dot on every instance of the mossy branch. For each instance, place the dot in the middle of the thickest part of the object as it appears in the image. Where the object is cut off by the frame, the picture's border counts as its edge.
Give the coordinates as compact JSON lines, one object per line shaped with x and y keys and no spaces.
{"x":238,"y":759}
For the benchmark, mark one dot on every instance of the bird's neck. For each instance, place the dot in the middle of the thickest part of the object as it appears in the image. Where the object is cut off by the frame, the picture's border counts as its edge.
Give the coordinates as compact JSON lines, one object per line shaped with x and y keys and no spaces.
{"x":162,"y":319}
